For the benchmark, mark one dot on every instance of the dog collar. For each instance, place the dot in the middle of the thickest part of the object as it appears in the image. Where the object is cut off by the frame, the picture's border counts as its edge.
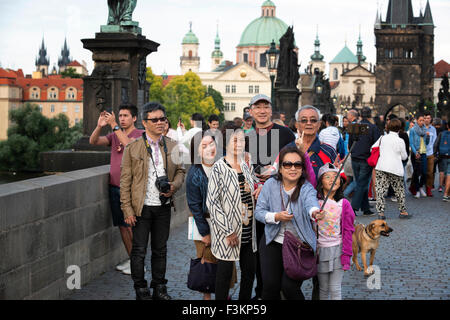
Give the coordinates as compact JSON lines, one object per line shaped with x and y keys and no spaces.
{"x":365,"y":230}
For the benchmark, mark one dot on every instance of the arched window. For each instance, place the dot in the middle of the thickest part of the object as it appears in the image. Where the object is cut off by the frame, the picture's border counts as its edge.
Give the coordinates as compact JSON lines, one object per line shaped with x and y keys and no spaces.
{"x":190,"y":53}
{"x":52,"y":93}
{"x":35,"y":93}
{"x":71,"y":93}
{"x":335,"y":74}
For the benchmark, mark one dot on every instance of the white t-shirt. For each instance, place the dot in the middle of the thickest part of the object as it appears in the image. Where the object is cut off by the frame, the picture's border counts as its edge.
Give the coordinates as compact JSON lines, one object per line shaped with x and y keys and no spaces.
{"x":152,"y":194}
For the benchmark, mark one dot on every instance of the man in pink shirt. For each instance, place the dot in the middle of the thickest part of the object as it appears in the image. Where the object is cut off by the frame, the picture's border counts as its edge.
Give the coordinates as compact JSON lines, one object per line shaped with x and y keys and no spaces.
{"x":118,"y":140}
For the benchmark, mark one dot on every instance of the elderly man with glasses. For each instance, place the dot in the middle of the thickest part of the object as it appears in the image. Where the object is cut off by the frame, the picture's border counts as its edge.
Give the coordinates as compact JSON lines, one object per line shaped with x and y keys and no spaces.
{"x":148,"y":180}
{"x":308,"y":124}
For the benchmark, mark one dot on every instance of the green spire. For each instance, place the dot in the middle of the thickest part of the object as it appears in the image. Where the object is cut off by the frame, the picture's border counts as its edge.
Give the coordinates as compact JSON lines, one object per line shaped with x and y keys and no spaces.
{"x":217,"y":53}
{"x":359,"y":50}
{"x":190,"y":37}
{"x":317,"y":56}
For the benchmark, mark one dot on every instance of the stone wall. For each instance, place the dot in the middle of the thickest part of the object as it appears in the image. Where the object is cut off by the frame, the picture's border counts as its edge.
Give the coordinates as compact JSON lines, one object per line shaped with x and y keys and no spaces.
{"x":50,"y":223}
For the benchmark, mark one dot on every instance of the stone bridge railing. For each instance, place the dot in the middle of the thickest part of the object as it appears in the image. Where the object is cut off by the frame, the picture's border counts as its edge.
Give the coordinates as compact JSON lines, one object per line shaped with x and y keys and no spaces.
{"x":51,"y":223}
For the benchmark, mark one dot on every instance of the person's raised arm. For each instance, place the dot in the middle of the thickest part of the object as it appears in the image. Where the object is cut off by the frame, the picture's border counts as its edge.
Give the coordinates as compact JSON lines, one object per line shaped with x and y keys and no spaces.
{"x":95,"y":137}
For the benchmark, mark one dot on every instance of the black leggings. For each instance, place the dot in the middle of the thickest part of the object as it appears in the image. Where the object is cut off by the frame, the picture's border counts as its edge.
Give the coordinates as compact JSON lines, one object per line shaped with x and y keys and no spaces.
{"x":247,"y":264}
{"x":274,"y":277}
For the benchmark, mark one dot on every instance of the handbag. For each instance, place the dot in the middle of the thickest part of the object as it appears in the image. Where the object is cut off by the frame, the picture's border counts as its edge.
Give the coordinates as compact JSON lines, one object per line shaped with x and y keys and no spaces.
{"x":202,"y":275}
{"x":299,"y":260}
{"x":374,"y":155}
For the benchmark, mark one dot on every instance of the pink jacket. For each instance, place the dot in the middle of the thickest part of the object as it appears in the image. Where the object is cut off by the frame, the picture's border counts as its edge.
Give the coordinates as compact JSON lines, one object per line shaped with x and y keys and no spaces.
{"x":347,"y":229}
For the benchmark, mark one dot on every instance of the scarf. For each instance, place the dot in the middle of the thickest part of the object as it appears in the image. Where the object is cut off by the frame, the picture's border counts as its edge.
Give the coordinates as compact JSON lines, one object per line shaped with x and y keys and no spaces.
{"x":420,"y":131}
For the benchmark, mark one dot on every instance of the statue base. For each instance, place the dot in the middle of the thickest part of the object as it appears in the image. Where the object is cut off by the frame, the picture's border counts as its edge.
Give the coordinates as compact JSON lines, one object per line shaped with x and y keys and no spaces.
{"x":286,"y":100}
{"x":124,"y":27}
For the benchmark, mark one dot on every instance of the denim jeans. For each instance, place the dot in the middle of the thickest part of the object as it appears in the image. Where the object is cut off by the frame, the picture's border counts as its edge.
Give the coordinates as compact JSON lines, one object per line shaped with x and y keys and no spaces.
{"x":420,"y":170}
{"x":154,"y":221}
{"x":350,"y":188}
{"x":362,"y":173}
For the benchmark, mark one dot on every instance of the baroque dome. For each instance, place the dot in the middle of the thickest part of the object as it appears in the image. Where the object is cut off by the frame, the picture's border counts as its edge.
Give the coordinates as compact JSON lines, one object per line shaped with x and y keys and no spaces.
{"x":261,"y":31}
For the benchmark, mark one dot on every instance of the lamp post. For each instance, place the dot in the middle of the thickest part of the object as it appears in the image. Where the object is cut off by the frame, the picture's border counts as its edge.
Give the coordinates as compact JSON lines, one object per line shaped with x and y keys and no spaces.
{"x":272,"y":55}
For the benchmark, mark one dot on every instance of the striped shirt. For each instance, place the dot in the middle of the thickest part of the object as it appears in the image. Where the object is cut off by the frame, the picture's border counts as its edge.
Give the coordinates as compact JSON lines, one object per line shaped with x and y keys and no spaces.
{"x":247,"y":210}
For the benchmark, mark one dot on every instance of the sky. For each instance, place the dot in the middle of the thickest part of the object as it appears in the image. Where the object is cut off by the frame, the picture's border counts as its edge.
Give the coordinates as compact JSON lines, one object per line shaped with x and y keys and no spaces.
{"x":23,"y":24}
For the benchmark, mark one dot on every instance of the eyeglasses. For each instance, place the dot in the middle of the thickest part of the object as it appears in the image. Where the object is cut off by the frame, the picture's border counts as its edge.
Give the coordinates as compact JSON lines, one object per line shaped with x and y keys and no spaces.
{"x":288,"y":165}
{"x":305,"y":121}
{"x":155,"y":120}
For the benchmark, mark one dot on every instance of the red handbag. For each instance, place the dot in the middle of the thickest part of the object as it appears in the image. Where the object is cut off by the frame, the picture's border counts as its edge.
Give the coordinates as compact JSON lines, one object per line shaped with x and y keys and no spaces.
{"x":374,"y":155}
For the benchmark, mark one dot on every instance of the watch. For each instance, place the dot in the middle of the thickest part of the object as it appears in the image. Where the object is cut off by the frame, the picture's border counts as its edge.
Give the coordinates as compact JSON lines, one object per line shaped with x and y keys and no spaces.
{"x":116,"y":128}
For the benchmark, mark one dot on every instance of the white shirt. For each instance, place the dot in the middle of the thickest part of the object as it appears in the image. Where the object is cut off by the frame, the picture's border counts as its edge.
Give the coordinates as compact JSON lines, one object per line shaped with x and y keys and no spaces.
{"x":392,"y":152}
{"x":187,"y":136}
{"x":152,"y":194}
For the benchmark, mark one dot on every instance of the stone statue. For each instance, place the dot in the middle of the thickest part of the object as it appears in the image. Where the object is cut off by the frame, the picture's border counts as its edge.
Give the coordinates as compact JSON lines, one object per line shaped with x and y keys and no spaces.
{"x":120,"y":11}
{"x":287,"y":73}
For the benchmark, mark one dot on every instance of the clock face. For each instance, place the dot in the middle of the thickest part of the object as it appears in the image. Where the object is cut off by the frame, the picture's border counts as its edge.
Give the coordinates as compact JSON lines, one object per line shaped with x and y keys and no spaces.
{"x":243,"y":73}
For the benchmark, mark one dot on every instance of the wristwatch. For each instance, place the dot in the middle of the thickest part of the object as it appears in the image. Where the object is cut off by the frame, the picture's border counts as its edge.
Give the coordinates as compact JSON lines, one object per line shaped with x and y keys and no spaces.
{"x":116,"y":128}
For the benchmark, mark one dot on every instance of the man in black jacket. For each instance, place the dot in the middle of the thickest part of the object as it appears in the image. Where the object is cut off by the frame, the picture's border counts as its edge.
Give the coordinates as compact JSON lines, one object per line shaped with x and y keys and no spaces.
{"x":362,"y":172}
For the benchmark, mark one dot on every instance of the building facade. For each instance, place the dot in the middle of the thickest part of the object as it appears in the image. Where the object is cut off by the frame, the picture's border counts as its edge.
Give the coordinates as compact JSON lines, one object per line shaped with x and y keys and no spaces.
{"x":52,"y":94}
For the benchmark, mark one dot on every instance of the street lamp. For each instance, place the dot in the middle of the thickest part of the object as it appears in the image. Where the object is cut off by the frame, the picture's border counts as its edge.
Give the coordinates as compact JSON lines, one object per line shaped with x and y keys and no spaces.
{"x":272,"y":56}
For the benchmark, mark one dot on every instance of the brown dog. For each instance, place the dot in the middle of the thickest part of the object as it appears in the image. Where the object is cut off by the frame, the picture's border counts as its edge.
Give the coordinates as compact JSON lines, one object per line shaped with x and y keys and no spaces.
{"x":365,"y":239}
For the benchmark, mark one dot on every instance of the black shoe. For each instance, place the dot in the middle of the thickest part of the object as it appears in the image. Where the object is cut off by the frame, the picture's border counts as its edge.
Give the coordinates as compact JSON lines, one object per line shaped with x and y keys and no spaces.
{"x":143,"y":294}
{"x":368,"y":213}
{"x":355,"y":211}
{"x":160,"y":293}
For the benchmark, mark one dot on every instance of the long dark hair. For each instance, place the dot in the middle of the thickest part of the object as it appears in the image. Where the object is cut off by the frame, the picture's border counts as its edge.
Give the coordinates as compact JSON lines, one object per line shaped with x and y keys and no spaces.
{"x":195,"y":143}
{"x":338,"y":195}
{"x":304,"y":175}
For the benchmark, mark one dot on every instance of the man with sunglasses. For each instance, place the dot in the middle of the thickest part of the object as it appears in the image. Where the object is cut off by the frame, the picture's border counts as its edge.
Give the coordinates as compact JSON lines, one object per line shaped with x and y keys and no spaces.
{"x":118,"y":139}
{"x":307,"y":123}
{"x":149,"y":179}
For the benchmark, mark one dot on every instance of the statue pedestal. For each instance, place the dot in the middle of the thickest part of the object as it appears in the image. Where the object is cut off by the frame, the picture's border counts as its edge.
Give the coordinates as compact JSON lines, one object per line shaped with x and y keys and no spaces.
{"x":119,"y":77}
{"x":126,"y":26}
{"x":286,"y":100}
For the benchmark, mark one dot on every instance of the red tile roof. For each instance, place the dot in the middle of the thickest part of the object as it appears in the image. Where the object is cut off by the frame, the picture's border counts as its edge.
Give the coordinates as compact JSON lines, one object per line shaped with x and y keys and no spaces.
{"x":165,"y":82}
{"x":334,"y":84}
{"x":74,"y":63}
{"x":441,"y":68}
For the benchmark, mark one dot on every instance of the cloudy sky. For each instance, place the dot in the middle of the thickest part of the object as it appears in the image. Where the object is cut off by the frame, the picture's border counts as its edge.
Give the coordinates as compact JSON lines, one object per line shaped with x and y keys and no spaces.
{"x":23,"y":23}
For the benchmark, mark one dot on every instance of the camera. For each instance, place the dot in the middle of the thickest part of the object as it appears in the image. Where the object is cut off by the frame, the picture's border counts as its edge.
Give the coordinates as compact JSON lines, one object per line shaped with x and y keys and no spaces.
{"x":163,"y":186}
{"x":358,"y":129}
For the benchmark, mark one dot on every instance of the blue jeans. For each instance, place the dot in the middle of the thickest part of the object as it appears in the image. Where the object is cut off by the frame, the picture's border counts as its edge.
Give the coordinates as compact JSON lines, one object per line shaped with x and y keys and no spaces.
{"x":350,"y":188}
{"x":362,"y":173}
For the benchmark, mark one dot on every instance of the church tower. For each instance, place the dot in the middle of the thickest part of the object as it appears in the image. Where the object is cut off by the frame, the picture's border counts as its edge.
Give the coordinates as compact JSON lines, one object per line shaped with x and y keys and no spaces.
{"x":65,"y":58}
{"x":190,"y":61}
{"x":42,"y":61}
{"x":217,"y":54}
{"x":317,"y":58}
{"x":405,"y":57}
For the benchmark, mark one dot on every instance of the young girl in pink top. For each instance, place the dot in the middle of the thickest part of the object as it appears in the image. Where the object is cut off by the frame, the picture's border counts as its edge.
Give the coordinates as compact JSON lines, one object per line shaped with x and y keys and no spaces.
{"x":335,"y":233}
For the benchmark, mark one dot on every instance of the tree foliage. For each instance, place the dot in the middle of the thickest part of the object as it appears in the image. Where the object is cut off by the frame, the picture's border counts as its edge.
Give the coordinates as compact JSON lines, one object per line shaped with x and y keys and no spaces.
{"x":71,"y":73}
{"x":183,"y":96}
{"x":32,"y":133}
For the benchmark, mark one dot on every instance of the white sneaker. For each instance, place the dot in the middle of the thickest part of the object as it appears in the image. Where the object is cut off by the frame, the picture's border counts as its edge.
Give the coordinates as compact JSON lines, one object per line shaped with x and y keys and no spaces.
{"x":127,"y":271}
{"x":123,"y":266}
{"x":417,"y":195}
{"x":394,"y":199}
{"x":422,"y":192}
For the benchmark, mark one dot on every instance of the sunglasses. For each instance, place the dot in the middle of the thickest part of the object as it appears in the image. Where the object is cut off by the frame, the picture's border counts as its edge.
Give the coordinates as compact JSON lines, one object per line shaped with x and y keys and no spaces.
{"x":304,"y":121}
{"x":288,"y":165}
{"x":155,"y":120}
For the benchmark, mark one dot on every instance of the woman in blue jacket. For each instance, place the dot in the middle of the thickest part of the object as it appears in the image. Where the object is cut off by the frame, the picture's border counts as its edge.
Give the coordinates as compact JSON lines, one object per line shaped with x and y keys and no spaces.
{"x":203,"y":156}
{"x":285,"y":199}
